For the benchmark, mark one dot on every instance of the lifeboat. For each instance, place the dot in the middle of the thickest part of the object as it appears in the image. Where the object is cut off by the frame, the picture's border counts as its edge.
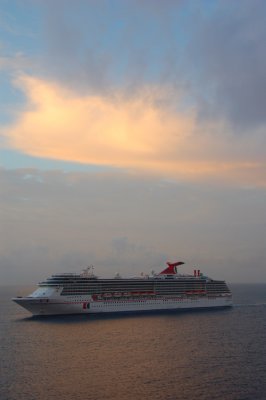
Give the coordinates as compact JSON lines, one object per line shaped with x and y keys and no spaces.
{"x":107,"y":295}
{"x":196,"y":292}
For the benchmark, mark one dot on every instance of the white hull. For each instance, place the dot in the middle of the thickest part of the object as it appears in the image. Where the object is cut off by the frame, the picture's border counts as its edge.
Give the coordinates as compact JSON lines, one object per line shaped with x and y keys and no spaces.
{"x":59,"y":306}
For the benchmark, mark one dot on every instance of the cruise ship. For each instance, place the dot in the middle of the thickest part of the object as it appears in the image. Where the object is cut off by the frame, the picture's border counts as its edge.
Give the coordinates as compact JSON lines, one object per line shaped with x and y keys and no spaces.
{"x":85,"y":293}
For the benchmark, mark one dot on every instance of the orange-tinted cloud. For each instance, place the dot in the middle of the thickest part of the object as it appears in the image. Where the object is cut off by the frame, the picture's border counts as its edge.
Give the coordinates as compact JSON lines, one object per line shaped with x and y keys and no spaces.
{"x":127,"y":132}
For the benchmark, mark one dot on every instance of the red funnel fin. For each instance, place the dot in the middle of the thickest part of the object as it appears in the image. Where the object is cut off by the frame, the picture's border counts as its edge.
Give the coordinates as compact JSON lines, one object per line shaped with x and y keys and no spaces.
{"x":171,"y":269}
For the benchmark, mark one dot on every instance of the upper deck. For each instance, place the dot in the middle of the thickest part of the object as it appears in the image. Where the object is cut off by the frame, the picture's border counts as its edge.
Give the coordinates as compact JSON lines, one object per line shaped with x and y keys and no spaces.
{"x":159,"y":284}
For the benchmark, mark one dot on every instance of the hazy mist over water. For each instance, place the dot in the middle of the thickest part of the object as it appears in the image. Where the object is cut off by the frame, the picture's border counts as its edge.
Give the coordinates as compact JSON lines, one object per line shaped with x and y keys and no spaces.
{"x":206,"y":355}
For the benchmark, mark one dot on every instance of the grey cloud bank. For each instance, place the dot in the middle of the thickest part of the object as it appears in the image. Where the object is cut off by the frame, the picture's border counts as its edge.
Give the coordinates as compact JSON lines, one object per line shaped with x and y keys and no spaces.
{"x":213,"y":52}
{"x":229,"y":50}
{"x":54,"y":221}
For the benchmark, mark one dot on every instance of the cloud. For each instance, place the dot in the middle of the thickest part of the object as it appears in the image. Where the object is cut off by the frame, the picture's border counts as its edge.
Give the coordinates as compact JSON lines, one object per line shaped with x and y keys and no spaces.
{"x":94,"y":129}
{"x":141,"y":132}
{"x":214,"y":49}
{"x":228,"y":45}
{"x":59,"y":222}
{"x":92,"y":45}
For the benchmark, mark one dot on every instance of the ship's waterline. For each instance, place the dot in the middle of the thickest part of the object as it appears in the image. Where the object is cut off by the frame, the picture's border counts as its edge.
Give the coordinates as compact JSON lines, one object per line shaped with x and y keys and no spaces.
{"x":85,"y":293}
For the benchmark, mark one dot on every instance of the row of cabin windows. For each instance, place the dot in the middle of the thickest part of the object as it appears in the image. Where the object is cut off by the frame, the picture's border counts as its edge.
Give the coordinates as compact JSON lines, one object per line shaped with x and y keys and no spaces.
{"x":135,"y":285}
{"x":139,"y":288}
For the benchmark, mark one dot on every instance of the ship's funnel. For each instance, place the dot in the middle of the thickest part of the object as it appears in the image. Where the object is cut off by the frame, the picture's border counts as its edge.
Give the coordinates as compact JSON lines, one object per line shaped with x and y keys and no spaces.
{"x":171,"y":269}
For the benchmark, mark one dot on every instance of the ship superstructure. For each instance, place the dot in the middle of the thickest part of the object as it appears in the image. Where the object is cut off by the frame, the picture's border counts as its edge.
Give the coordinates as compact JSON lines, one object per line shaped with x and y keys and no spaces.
{"x":71,"y":293}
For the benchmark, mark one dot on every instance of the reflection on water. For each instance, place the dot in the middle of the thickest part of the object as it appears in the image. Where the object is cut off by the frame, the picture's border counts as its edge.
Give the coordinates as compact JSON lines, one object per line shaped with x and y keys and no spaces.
{"x":216,"y":354}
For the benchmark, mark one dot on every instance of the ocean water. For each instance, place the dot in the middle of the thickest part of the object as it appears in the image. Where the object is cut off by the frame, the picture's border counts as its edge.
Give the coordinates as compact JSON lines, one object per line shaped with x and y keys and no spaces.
{"x":215,"y":354}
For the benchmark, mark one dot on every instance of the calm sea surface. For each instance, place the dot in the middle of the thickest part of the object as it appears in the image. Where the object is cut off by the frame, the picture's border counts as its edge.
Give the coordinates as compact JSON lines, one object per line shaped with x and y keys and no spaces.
{"x":188,"y":355}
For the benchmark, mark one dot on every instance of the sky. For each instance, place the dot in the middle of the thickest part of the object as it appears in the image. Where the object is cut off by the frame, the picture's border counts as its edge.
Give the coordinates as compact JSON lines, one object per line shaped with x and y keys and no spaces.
{"x":132,"y":132}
